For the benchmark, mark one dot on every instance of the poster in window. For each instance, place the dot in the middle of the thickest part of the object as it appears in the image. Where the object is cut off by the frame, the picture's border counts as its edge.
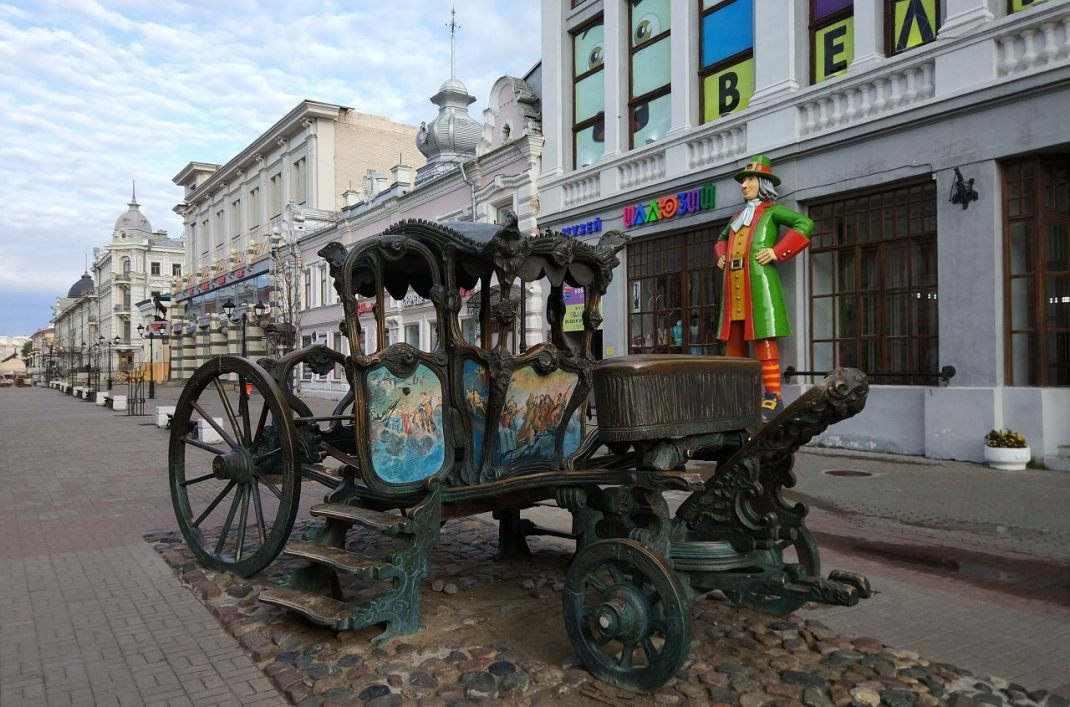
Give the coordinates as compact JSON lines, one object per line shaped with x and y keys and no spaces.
{"x":728,"y":90}
{"x":636,"y":303}
{"x":727,"y":32}
{"x":914,"y":23}
{"x":834,"y":49}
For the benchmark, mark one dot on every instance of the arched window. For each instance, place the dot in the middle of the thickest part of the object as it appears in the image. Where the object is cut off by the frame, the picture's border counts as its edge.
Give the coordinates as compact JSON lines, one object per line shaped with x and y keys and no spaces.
{"x":126,"y":266}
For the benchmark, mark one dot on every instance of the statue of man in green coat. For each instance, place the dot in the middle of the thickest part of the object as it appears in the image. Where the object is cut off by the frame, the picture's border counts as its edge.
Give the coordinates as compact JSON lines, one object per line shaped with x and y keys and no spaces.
{"x":753,"y":309}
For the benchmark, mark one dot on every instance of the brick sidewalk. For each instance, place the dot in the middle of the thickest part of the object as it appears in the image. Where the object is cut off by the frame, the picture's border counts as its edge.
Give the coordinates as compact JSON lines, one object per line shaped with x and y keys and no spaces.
{"x":90,"y":614}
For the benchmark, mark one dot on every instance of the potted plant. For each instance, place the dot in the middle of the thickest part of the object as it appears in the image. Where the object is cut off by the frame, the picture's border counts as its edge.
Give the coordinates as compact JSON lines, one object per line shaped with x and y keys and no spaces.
{"x":1006,"y":450}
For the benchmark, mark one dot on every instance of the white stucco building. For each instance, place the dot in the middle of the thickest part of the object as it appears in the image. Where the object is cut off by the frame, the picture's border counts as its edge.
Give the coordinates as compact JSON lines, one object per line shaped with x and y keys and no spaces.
{"x":242,"y":219}
{"x":869,"y":110}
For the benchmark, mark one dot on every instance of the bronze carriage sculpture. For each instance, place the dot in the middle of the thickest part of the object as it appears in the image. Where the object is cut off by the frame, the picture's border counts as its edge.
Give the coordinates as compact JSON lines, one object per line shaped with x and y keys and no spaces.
{"x":424,"y":436}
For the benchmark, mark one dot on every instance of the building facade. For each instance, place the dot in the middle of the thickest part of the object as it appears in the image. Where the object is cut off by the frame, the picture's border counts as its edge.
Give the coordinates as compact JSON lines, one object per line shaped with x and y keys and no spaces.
{"x":474,"y":171}
{"x":925,"y":138}
{"x":137,"y":265}
{"x":242,"y":220}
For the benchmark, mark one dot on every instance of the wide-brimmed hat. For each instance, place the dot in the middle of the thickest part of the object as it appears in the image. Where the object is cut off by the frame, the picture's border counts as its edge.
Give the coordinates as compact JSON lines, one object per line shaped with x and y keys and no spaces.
{"x":759,"y":166}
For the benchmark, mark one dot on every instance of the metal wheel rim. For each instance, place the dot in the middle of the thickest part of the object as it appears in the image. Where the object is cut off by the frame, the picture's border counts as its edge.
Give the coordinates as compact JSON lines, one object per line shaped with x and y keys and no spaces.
{"x":258,"y":512}
{"x":652,"y":648}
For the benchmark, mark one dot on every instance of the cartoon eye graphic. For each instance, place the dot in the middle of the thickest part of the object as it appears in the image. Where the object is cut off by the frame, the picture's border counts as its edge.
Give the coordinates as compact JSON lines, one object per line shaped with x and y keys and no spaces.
{"x":596,"y":57}
{"x":647,"y":27}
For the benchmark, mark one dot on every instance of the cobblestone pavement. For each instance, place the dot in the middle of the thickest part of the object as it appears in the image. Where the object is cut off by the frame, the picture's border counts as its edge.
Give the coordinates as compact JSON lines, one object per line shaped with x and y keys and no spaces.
{"x":93,"y":615}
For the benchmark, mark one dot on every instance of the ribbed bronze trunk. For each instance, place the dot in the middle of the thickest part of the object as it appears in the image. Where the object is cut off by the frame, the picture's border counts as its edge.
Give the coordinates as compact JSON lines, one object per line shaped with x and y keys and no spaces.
{"x":647,"y":397}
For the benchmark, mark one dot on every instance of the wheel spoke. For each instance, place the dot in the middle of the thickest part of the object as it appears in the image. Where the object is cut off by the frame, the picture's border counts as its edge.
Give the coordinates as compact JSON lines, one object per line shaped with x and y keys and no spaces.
{"x":268,"y":455}
{"x":213,"y":504}
{"x":271,"y":487}
{"x":198,"y":480}
{"x":258,"y":507}
{"x":243,"y":520}
{"x":603,"y":640}
{"x":225,"y":532}
{"x":243,"y":408}
{"x":616,"y":573}
{"x":215,"y":425}
{"x":598,"y":583}
{"x":652,"y":654}
{"x":626,"y":655}
{"x":202,"y":445}
{"x":260,"y":428}
{"x":228,"y":409}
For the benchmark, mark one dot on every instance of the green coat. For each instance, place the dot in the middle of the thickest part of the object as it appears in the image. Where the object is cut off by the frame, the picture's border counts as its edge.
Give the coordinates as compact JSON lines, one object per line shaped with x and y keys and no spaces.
{"x":765,"y":311}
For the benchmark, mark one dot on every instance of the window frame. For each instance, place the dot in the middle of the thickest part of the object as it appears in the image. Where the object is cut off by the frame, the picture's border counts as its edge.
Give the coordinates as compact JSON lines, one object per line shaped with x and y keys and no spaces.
{"x":889,"y":28}
{"x":816,"y":26}
{"x":577,"y":128}
{"x":155,"y":268}
{"x":665,"y":90}
{"x":858,"y":247}
{"x":717,"y":66}
{"x":683,"y":254}
{"x":1040,"y":366}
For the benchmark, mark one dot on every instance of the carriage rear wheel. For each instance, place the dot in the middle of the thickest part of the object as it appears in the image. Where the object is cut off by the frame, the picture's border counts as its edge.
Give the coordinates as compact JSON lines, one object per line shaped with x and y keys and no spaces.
{"x":233,"y":466}
{"x":627,"y":614}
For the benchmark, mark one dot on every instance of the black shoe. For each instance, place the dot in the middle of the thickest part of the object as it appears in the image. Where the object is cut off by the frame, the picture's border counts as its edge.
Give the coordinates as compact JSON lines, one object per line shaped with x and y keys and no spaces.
{"x":771,"y":406}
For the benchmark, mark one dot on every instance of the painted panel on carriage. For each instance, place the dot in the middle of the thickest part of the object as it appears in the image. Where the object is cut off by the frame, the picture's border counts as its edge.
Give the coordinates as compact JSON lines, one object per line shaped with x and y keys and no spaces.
{"x":534,"y":408}
{"x":476,"y":390}
{"x":405,"y":416}
{"x":573,"y":433}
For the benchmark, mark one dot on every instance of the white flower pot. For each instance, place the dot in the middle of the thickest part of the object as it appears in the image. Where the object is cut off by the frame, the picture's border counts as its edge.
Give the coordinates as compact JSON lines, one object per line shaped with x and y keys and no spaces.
{"x":1007,"y":458}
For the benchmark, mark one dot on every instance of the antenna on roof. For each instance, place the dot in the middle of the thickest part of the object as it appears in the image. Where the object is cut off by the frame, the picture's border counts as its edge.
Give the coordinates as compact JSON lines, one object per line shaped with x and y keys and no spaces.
{"x":453,"y":41}
{"x":133,"y":190}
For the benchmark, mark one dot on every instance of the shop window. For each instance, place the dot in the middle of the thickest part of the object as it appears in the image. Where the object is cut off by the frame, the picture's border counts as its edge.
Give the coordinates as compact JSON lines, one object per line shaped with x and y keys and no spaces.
{"x":649,"y":104}
{"x":1014,"y":6}
{"x":1036,"y":258}
{"x":674,"y":291}
{"x":726,"y":57}
{"x":874,"y":284}
{"x":588,"y":94}
{"x":909,"y":24}
{"x":832,"y":43}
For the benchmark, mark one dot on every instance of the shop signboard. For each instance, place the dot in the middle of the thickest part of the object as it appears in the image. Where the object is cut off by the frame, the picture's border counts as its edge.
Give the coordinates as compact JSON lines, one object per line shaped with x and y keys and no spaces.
{"x":574,"y":304}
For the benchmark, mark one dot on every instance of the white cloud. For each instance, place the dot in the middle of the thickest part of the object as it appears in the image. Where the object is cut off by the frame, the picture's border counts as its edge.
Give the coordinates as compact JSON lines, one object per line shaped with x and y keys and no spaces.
{"x":97,"y":93}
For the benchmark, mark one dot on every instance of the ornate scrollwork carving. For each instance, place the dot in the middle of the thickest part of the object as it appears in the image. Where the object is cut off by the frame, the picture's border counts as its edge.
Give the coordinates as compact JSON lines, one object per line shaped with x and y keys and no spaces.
{"x":321,"y":362}
{"x":743,"y":499}
{"x":393,"y":248}
{"x":546,"y":362}
{"x":509,"y":249}
{"x":562,"y":252}
{"x":504,"y":310}
{"x":401,"y":360}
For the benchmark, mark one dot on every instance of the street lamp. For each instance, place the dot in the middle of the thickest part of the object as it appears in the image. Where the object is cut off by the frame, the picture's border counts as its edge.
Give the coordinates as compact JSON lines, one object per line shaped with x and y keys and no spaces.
{"x":243,"y":388}
{"x":228,"y":309}
{"x":111,"y":344}
{"x":152,"y":359}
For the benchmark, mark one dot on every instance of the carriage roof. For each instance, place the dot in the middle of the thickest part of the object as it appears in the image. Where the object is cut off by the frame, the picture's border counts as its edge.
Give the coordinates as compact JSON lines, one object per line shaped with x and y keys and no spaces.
{"x":477,"y":250}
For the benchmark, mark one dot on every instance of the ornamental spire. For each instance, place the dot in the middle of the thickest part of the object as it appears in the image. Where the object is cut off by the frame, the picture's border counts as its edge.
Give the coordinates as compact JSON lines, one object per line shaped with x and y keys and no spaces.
{"x":453,"y":41}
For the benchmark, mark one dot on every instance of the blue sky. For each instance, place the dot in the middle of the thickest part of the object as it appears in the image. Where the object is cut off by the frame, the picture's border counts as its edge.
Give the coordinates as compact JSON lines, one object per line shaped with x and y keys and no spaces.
{"x":97,"y":93}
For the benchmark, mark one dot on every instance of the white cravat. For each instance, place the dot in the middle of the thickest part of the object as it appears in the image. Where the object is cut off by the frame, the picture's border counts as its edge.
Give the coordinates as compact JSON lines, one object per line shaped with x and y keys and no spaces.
{"x":744,"y":217}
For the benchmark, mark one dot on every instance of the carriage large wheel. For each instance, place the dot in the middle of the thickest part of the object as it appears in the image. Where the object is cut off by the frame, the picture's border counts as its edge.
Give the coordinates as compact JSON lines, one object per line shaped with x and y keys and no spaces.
{"x":627,"y":614}
{"x":800,"y":551}
{"x":235,"y":485}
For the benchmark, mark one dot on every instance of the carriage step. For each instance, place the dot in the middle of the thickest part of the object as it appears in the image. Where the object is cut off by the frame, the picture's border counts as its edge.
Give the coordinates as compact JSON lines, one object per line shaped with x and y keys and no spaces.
{"x":337,"y":558}
{"x":318,"y":609}
{"x":389,"y":523}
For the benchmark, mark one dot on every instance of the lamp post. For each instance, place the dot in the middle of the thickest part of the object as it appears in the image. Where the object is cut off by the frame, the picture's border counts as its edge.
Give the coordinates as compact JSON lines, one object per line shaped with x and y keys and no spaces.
{"x":228,"y":309}
{"x":152,"y":362}
{"x":110,"y":344}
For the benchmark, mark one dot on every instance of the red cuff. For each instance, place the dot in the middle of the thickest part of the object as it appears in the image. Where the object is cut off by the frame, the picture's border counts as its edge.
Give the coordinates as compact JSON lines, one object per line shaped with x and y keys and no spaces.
{"x":719,"y":249}
{"x":790,"y":245}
